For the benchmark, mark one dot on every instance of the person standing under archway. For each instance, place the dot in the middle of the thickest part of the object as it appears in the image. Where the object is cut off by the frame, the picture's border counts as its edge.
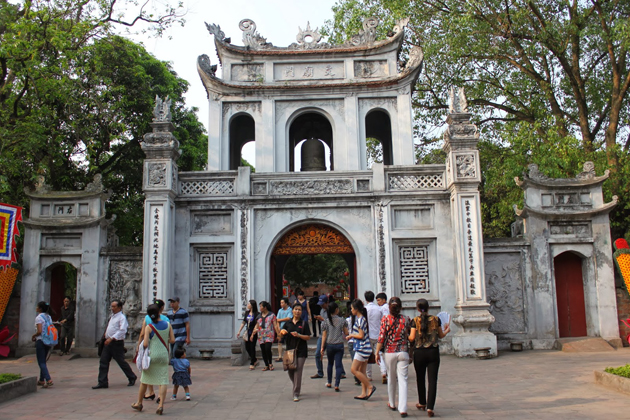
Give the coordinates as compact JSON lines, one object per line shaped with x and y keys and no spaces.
{"x":67,"y":326}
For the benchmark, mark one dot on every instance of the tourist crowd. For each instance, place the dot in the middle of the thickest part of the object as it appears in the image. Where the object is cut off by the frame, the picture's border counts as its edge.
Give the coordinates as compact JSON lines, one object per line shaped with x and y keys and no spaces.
{"x":375,"y":333}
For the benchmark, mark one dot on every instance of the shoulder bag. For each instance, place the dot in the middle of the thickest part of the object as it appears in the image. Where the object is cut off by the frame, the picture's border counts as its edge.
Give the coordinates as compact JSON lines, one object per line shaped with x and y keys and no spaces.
{"x":289,"y":358}
{"x":160,"y":337}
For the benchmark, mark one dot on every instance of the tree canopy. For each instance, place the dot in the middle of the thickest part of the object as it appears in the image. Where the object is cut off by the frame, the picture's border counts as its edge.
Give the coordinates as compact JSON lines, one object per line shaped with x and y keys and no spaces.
{"x":309,"y":270}
{"x":547,"y":81}
{"x":76,"y":99}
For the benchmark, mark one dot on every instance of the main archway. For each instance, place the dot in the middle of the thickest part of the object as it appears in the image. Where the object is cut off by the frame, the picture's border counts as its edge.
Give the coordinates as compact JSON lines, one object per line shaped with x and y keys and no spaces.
{"x":310,"y":239}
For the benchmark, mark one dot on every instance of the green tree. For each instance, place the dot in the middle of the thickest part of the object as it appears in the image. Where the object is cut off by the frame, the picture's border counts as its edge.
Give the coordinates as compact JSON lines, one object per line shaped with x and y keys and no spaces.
{"x":75,"y":100}
{"x":542,"y":77}
{"x":308,"y":270}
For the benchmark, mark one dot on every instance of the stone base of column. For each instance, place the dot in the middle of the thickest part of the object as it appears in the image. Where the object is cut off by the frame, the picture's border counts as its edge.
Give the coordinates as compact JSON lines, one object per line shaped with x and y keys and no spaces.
{"x":473,"y":322}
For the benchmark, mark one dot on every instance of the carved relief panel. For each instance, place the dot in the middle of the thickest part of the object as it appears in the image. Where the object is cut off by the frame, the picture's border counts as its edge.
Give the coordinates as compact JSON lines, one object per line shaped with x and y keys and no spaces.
{"x":253,"y":72}
{"x":504,"y":289}
{"x":125,"y":284}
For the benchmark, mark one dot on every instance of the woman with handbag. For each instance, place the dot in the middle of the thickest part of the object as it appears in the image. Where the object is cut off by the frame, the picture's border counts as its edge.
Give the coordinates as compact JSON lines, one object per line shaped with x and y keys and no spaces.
{"x":296,"y":333}
{"x":362,"y":349}
{"x":425,"y":332}
{"x":155,"y":335}
{"x":147,"y":321}
{"x":250,"y":319}
{"x":394,"y":340}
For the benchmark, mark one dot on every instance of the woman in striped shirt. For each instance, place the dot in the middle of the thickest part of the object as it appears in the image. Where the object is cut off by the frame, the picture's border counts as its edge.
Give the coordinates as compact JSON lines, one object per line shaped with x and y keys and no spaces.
{"x":362,"y":349}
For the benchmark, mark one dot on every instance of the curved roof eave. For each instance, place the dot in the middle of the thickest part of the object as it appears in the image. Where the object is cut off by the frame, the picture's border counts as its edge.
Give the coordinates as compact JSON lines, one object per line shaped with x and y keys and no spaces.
{"x":218,"y":86}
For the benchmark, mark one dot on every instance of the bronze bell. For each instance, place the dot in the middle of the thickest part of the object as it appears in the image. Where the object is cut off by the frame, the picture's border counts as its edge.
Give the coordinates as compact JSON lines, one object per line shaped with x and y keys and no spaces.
{"x":313,"y":155}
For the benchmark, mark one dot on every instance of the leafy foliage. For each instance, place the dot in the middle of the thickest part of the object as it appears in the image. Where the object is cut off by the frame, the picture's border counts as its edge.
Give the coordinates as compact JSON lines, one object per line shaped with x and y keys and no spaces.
{"x":308,"y":270}
{"x":75,"y":100}
{"x":547,"y":81}
{"x":620,"y":371}
{"x":9,"y":377}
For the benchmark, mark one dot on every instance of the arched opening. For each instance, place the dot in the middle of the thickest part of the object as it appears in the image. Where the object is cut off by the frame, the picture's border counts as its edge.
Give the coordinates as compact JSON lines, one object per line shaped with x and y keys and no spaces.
{"x":242,"y":131}
{"x":570,"y":295}
{"x":310,"y":125}
{"x":378,"y":133}
{"x":63,"y":282}
{"x":311,"y":251}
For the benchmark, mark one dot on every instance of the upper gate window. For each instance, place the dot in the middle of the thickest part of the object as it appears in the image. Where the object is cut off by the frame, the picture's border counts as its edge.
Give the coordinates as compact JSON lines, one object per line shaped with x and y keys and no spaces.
{"x":242,"y":131}
{"x":378,"y":133}
{"x":313,"y":132}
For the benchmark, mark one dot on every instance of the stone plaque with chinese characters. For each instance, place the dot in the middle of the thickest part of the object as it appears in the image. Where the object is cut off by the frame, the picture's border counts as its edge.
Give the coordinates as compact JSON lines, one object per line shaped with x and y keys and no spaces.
{"x":331,"y":70}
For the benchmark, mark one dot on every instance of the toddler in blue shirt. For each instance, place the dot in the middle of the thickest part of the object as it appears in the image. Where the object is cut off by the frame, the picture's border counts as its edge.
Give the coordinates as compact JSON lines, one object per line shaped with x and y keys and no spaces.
{"x":181,"y":373}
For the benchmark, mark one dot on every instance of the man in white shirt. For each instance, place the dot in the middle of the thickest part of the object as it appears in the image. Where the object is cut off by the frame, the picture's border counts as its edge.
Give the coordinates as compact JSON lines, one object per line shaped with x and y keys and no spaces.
{"x":374,"y":315}
{"x":114,"y":347}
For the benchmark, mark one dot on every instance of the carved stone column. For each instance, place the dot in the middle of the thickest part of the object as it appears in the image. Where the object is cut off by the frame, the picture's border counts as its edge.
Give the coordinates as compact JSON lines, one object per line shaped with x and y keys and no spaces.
{"x":160,"y":187}
{"x":463,"y":177}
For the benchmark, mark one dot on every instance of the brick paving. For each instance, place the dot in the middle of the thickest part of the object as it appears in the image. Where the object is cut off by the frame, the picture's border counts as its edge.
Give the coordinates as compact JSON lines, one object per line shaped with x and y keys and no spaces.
{"x":528,"y":385}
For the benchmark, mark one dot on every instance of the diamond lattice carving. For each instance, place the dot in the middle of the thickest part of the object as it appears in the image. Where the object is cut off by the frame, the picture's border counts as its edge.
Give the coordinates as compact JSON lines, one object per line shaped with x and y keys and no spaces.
{"x":415,"y":182}
{"x":213,"y":275}
{"x":414,"y":269}
{"x":224,"y":187}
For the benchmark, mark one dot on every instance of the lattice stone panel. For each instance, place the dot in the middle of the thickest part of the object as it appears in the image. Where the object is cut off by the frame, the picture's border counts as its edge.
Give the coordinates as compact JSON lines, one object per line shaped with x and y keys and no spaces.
{"x":414,"y":269}
{"x":415,"y":182}
{"x":213,"y":275}
{"x":224,"y":187}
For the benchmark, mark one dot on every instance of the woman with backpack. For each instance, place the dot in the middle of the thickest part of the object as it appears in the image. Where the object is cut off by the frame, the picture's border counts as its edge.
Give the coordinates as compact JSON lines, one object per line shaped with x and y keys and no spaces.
{"x":394,"y":340}
{"x":45,"y":339}
{"x":266,"y":330}
{"x":426,"y":330}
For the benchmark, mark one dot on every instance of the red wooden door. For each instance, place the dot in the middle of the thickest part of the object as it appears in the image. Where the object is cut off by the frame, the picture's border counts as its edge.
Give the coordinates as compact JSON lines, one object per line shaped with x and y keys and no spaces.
{"x":570,"y":295}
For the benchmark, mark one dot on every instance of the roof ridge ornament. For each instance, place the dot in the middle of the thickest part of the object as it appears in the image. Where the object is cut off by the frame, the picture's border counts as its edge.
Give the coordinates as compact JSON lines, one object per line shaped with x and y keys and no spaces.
{"x":251,"y":38}
{"x":457,"y":104}
{"x":308,"y":39}
{"x":216,"y":31}
{"x":162,"y":110}
{"x":367,"y":35}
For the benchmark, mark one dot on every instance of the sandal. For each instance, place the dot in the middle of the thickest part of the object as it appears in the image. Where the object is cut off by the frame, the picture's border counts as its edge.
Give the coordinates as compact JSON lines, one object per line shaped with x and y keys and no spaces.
{"x":371,"y":393}
{"x":159,"y":411}
{"x":149,"y":397}
{"x":252,"y":367}
{"x":266,"y":368}
{"x":49,"y":383}
{"x":41,"y":383}
{"x":390,"y":407}
{"x":270,"y":367}
{"x":421,"y":407}
{"x":136,"y":406}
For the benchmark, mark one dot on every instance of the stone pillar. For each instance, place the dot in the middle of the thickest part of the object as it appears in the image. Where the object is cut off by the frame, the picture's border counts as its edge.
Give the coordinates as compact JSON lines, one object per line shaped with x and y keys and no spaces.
{"x":463,"y":177}
{"x":160,"y":187}
{"x":216,"y":161}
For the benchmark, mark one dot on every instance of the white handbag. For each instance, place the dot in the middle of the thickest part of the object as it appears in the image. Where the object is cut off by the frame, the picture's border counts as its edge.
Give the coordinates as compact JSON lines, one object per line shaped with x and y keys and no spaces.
{"x":143,"y":361}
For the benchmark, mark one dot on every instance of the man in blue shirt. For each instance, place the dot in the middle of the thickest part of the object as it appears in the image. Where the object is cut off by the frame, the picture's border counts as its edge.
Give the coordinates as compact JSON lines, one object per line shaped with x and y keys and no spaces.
{"x":284,"y":314}
{"x":180,"y":324}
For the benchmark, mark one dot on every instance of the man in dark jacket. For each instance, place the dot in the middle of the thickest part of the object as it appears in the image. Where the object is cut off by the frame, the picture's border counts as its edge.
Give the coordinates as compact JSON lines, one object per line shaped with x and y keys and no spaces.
{"x":315,"y":310}
{"x":67,"y":326}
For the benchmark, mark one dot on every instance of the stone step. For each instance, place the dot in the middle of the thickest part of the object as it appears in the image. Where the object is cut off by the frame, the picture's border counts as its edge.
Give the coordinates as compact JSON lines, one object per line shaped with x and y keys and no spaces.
{"x":583,"y":344}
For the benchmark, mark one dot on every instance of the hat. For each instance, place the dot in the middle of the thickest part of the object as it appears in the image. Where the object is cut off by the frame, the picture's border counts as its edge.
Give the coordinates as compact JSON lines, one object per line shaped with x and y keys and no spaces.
{"x":174,"y":299}
{"x":322,"y":300}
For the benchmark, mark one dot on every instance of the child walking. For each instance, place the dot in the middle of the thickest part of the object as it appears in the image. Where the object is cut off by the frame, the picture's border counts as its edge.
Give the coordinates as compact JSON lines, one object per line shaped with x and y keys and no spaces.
{"x":181,"y":374}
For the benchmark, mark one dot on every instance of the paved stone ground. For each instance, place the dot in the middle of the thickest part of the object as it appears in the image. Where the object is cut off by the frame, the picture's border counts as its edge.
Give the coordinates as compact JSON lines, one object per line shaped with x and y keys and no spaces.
{"x":528,"y":385}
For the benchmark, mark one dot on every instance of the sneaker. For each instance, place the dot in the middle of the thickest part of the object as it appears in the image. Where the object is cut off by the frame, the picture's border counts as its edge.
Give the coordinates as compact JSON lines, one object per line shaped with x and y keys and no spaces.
{"x":49,"y":384}
{"x":187,"y":397}
{"x":296,"y":398}
{"x":174,"y":398}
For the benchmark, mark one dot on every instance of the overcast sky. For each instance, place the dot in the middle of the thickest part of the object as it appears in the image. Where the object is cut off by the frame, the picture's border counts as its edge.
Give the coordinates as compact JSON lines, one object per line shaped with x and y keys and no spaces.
{"x":277,"y":20}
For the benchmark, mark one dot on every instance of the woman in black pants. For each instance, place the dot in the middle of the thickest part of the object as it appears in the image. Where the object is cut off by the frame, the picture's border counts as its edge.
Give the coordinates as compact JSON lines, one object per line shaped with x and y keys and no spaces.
{"x":425,"y":332}
{"x":250,"y":318}
{"x":266,"y":332}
